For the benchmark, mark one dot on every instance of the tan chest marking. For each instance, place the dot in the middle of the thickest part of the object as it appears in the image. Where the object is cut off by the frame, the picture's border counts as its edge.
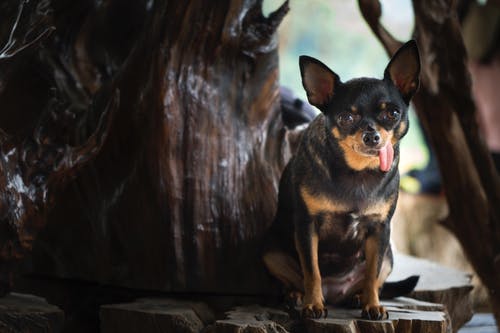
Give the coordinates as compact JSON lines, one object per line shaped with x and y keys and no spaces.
{"x":316,"y":204}
{"x":379,"y":210}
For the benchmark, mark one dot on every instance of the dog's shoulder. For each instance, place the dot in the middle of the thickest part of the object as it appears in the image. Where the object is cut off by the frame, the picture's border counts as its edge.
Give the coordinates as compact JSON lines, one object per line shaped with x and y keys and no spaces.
{"x":312,"y":149}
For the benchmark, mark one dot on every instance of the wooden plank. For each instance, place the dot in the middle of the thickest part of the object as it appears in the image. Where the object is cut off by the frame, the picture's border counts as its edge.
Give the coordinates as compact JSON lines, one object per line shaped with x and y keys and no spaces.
{"x":22,"y":313}
{"x":438,"y":284}
{"x":433,"y":276}
{"x":155,"y":315}
{"x":166,"y":315}
{"x":405,"y":316}
{"x":253,"y":319}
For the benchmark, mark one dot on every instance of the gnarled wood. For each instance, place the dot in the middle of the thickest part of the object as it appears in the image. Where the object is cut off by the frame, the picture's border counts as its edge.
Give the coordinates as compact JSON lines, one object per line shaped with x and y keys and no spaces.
{"x":37,"y":156}
{"x":154,"y":131}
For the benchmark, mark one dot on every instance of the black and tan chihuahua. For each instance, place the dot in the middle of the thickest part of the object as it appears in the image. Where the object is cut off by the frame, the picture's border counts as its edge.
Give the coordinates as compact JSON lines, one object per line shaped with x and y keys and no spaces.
{"x":330,"y":237}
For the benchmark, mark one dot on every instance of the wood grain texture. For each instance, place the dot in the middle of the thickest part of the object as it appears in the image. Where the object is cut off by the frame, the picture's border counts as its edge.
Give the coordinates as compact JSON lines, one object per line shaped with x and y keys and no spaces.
{"x":438,"y":284}
{"x":152,"y":141}
{"x":159,"y":315}
{"x":22,"y":313}
{"x":152,"y":315}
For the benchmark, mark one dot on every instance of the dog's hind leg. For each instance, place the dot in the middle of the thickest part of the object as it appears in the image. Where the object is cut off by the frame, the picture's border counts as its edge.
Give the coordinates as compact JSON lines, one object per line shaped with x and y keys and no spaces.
{"x":287,"y":270}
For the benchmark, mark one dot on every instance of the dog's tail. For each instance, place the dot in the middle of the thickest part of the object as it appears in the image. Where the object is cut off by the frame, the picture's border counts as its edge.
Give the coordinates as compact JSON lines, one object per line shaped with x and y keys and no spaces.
{"x":399,"y":288}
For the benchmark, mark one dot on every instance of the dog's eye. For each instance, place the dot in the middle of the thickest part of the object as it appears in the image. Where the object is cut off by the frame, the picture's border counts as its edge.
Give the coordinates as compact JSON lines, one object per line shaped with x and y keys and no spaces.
{"x":346,"y":119}
{"x":390,"y":115}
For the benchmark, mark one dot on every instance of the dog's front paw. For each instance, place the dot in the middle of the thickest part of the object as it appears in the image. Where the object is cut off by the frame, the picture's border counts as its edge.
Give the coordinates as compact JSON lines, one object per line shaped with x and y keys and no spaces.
{"x":314,"y":310}
{"x":374,"y":312}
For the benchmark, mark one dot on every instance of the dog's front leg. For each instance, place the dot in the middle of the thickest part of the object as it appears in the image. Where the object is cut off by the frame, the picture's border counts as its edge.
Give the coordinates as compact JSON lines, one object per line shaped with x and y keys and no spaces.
{"x":306,"y":242}
{"x":370,"y":300}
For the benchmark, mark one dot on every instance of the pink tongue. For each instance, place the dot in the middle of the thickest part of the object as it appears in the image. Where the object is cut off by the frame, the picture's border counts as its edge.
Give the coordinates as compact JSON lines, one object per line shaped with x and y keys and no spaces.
{"x":386,"y":155}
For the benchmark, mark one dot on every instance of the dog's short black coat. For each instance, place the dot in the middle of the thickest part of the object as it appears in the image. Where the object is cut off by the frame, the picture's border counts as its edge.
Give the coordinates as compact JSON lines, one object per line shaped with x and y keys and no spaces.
{"x":337,"y":194}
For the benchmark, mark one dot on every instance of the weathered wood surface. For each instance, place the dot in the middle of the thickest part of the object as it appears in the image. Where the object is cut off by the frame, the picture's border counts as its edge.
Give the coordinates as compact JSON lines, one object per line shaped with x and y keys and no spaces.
{"x":254,"y":319}
{"x":21,"y":313}
{"x":415,"y":315}
{"x":405,"y":316}
{"x":438,"y":284}
{"x":150,"y":315}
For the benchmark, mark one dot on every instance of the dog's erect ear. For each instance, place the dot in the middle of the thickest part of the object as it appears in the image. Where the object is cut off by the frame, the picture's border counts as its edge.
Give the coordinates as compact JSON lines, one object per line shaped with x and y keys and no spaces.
{"x":403,"y":70}
{"x":318,"y":80}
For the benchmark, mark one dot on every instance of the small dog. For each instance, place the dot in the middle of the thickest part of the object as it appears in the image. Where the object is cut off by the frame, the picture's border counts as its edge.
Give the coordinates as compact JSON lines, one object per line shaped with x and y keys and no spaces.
{"x":337,"y":194}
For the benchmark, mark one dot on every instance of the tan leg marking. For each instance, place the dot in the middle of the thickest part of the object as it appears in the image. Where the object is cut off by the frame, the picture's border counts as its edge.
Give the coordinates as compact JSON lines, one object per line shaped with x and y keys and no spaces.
{"x":371,"y":304}
{"x":313,"y":294}
{"x":319,"y":203}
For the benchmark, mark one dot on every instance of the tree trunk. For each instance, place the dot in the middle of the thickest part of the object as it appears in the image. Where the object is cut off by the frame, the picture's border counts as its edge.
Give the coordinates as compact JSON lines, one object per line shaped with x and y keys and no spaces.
{"x":170,"y":110}
{"x":447,"y":112}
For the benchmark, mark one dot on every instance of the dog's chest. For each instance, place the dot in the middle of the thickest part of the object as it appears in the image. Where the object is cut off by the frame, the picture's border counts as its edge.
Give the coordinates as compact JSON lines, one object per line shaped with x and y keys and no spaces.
{"x":347,"y":226}
{"x":343,"y":225}
{"x":343,"y":220}
{"x":342,"y":236}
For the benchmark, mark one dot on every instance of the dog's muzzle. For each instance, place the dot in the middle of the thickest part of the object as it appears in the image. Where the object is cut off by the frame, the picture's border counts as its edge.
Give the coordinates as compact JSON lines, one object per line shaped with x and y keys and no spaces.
{"x":371,"y":138}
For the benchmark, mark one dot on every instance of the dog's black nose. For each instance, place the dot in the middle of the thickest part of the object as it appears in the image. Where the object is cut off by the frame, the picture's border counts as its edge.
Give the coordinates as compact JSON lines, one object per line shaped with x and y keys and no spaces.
{"x":371,"y":138}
